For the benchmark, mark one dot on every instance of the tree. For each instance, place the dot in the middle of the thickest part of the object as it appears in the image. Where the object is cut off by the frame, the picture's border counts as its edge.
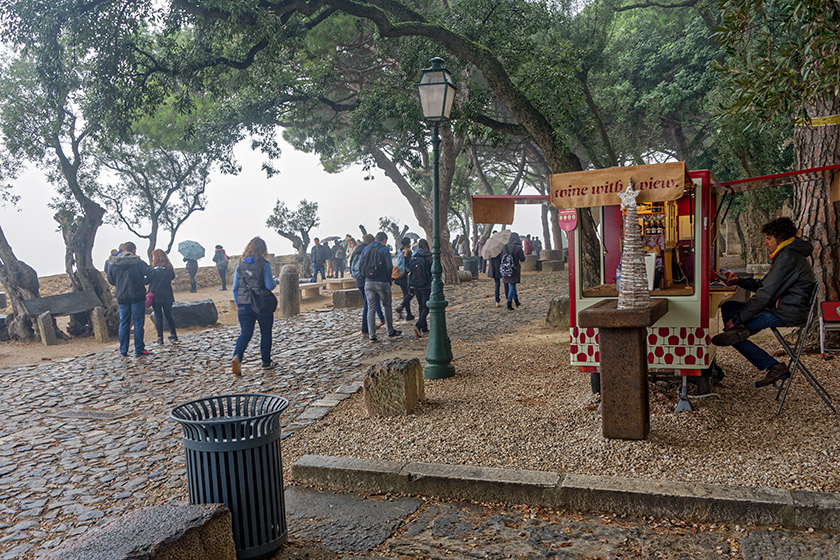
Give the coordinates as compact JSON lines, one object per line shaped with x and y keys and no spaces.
{"x":782,"y":62}
{"x":392,"y":225}
{"x":295,"y":226}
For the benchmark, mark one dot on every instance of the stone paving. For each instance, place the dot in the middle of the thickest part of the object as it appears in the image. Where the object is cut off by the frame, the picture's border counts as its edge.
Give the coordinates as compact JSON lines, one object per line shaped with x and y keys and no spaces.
{"x":84,"y":439}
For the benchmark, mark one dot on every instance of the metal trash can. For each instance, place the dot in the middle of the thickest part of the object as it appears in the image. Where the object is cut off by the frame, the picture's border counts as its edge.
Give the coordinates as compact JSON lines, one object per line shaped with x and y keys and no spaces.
{"x":232,"y":445}
{"x":471,"y":265}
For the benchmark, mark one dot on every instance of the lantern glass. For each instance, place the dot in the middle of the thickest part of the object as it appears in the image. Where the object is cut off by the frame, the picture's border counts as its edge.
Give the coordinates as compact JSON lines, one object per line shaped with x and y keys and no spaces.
{"x":436,"y":92}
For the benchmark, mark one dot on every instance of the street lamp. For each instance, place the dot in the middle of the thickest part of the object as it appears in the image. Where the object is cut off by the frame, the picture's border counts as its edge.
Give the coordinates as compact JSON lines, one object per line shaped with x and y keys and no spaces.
{"x":436,"y":92}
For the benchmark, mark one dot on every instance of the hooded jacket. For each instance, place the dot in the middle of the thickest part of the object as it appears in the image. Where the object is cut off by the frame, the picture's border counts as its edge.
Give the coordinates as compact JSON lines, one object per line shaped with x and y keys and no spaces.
{"x":785,"y":290}
{"x":426,"y":256}
{"x":127,"y":273}
{"x":160,"y":283}
{"x":514,"y":248}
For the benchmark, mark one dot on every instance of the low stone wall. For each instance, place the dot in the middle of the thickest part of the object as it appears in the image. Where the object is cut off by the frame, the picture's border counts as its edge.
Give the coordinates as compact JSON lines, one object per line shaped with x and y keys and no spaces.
{"x":174,"y":531}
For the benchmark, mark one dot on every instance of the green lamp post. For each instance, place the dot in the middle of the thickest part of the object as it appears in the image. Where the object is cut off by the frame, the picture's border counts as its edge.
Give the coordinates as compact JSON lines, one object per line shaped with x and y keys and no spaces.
{"x":437,"y":92}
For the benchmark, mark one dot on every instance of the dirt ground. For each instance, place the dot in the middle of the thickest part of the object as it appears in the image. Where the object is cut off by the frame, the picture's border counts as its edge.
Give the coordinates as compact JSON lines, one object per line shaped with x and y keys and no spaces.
{"x":16,"y":353}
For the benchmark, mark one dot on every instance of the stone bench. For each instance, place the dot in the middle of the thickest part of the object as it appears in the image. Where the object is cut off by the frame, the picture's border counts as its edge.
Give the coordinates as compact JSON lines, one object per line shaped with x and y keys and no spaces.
{"x":341,"y":283}
{"x":311,"y":289}
{"x":552,"y":266}
{"x":174,"y":530}
{"x":45,"y":308}
{"x":201,"y":313}
{"x":347,"y":298}
{"x":393,"y":387}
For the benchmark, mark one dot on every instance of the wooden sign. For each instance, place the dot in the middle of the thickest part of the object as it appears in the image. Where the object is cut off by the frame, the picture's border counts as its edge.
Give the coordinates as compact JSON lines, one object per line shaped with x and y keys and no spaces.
{"x":567,"y":218}
{"x":600,"y":187}
{"x":493,"y":210}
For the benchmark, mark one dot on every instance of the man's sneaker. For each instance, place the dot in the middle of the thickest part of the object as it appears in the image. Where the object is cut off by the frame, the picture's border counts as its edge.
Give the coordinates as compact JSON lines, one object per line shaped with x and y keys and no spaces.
{"x":270,"y":365}
{"x":410,"y":317}
{"x":374,"y":339}
{"x":380,"y":324}
{"x":400,"y":312}
{"x":124,"y":354}
{"x":776,"y":372}
{"x":235,"y":365}
{"x":173,"y":337}
{"x":498,"y":304}
{"x":159,"y":340}
{"x":142,"y":353}
{"x":738,"y":333}
{"x":394,"y":333}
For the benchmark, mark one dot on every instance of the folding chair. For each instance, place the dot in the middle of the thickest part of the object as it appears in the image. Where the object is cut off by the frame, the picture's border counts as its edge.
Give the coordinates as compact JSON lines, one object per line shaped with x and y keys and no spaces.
{"x":795,"y":364}
{"x":829,"y":321}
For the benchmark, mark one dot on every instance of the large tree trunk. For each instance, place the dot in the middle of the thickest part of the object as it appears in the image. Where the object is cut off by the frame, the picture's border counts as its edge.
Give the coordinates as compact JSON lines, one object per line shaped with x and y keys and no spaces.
{"x":21,"y":283}
{"x":556,"y":232}
{"x":751,"y":222}
{"x":817,"y":217}
{"x":544,"y":214}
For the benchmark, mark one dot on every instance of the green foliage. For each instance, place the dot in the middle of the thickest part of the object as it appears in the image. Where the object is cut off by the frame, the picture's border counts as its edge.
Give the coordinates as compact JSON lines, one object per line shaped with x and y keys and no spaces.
{"x":294,"y":225}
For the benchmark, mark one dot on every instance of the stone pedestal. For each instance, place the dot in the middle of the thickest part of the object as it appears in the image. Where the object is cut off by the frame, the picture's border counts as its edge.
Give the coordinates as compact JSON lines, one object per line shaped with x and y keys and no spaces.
{"x":288,"y":301}
{"x":465,"y":276}
{"x":393,"y":387}
{"x":622,"y":334}
{"x":552,"y":255}
{"x":347,"y":298}
{"x":100,"y":327}
{"x":558,"y":312}
{"x":552,"y":266}
{"x":530,"y":263}
{"x":46,"y":328}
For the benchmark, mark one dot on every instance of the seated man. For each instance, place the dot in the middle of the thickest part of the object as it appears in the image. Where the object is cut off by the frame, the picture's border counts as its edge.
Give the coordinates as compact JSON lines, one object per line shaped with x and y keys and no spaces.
{"x":781,"y":299}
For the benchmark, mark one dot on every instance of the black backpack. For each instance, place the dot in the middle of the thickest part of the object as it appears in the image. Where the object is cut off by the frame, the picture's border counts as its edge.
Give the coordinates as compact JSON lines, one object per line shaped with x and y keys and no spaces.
{"x":373,"y":263}
{"x":506,"y":266}
{"x":418,"y":272}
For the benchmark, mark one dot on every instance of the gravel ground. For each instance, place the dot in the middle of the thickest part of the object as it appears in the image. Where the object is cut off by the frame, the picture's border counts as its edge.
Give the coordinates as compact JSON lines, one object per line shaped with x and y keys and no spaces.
{"x":515,"y":402}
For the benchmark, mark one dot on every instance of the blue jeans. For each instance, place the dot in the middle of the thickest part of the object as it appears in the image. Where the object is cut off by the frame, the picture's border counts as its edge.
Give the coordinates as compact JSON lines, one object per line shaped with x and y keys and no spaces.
{"x":364,"y":311}
{"x":316,"y":268}
{"x":247,"y":318}
{"x":764,"y":320}
{"x":132,"y":313}
{"x":510,"y":290}
{"x":376,"y":292}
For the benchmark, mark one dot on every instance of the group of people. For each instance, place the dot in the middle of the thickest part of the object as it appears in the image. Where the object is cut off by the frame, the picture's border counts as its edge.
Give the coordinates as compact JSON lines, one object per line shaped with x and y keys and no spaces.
{"x":330,"y":261}
{"x":506,"y":269}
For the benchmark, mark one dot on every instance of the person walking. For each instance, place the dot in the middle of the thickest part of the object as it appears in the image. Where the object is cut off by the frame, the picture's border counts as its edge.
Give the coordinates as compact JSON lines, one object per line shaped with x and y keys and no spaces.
{"x":355,"y":272}
{"x":528,"y":245}
{"x":510,"y":268}
{"x":420,"y":284}
{"x":339,"y":258}
{"x":127,"y":273}
{"x":252,"y":279}
{"x":400,"y":276}
{"x":537,"y":247}
{"x":493,"y":265}
{"x":376,"y":267}
{"x":319,"y":260}
{"x":221,"y":260}
{"x":192,"y":269}
{"x":160,"y":278}
{"x":479,"y":251}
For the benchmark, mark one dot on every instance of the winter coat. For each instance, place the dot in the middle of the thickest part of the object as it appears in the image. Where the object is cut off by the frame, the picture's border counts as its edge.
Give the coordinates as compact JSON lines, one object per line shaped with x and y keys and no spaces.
{"x":426,"y":255}
{"x":160,"y":280}
{"x":127,"y":273}
{"x":785,"y":290}
{"x":493,"y":265}
{"x":385,"y":276}
{"x":527,"y":246}
{"x":319,"y":255}
{"x":251,"y":273}
{"x":220,"y":258}
{"x":514,"y":248}
{"x":192,"y":266}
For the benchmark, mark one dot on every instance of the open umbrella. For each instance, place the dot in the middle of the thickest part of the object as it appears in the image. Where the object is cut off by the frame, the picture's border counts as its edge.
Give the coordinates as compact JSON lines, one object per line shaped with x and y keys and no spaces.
{"x":493,"y":247}
{"x":330,"y":239}
{"x":191,"y":249}
{"x":413,"y":236}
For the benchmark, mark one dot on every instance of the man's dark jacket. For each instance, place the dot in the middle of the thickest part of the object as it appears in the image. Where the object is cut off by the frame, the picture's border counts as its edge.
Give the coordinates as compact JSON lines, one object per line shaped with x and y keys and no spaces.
{"x":128,"y":274}
{"x":319,"y":255}
{"x":785,"y":290}
{"x":426,"y":256}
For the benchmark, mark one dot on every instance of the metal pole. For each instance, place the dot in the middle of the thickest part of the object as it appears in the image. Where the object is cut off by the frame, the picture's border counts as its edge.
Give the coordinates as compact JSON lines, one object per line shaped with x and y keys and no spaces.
{"x":439,"y":347}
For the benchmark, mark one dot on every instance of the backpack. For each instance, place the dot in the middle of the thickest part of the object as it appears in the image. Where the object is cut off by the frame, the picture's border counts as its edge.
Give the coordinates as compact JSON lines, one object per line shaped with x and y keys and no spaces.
{"x":506,"y":266}
{"x":355,"y":259}
{"x":339,"y":253}
{"x":398,"y":265}
{"x":372,"y":265}
{"x":418,"y":274}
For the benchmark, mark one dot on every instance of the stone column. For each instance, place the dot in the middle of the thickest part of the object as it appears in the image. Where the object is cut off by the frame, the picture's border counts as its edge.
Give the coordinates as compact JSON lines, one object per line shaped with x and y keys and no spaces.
{"x":288,"y":302}
{"x":622,"y":336}
{"x":100,"y":326}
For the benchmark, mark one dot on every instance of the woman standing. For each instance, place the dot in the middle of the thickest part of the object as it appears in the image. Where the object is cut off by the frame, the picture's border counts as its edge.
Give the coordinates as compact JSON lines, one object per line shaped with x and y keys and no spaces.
{"x":510,"y":268}
{"x":251,"y":280}
{"x":160,"y":280}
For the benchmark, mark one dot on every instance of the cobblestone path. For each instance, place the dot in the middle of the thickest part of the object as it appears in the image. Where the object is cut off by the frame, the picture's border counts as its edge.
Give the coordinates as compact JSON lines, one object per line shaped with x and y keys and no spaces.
{"x":87,"y":438}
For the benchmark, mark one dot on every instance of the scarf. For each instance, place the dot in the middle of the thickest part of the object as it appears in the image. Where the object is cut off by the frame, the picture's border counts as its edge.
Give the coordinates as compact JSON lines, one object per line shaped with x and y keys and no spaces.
{"x":781,"y":246}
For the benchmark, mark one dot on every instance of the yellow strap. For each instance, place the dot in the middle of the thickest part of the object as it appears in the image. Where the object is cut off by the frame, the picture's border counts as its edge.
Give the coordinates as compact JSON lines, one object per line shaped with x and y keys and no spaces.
{"x":819,"y":121}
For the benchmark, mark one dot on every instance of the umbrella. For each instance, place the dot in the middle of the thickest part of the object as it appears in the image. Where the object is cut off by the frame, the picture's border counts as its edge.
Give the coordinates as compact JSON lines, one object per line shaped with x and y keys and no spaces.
{"x":493,"y":247}
{"x":191,"y":250}
{"x":412,"y":235}
{"x":330,"y":238}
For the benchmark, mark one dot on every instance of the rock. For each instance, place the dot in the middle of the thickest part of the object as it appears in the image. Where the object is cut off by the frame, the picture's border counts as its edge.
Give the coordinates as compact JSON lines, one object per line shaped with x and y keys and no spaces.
{"x":530,"y":263}
{"x":46,"y":328}
{"x":393,"y":387}
{"x":558,"y":312}
{"x":200,"y":313}
{"x":465,"y":276}
{"x":100,"y":327}
{"x":347,"y":298}
{"x":552,"y":266}
{"x":175,"y":530}
{"x":288,"y":302}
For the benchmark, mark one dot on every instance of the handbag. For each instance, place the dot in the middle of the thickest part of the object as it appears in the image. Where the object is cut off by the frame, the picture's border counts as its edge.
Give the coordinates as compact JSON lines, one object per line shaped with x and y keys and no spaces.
{"x":150,"y":297}
{"x":263,"y":302}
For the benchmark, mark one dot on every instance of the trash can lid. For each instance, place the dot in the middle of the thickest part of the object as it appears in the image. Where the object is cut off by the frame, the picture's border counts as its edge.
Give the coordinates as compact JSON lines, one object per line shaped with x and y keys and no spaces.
{"x":227,"y":408}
